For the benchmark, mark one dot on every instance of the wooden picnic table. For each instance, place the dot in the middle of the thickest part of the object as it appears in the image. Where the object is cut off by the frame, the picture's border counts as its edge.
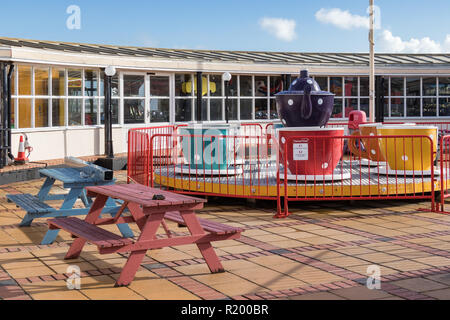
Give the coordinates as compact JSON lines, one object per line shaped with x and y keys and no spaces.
{"x":149,"y":215}
{"x":74,"y":179}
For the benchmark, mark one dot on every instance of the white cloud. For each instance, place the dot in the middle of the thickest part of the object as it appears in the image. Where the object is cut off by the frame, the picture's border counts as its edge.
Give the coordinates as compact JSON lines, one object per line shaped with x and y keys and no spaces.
{"x":387,"y":42}
{"x":342,"y":19}
{"x":283,"y":29}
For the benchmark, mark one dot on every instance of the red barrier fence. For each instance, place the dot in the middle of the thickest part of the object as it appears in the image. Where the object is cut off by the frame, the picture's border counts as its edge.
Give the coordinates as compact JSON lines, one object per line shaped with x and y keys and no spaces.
{"x":249,"y":165}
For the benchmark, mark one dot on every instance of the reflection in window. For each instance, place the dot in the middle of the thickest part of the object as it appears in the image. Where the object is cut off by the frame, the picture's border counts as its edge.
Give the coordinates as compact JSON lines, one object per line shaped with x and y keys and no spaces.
{"x":397,"y":107}
{"x":183,"y":110}
{"x":24,"y":113}
{"x":322,"y":81}
{"x":413,"y":107}
{"x":115,"y":111}
{"x":276,"y":85}
{"x":245,"y":83}
{"x":337,"y":110}
{"x":41,"y":81}
{"x":90,"y":112}
{"x":397,"y":87}
{"x":350,"y":105}
{"x":233,"y":109}
{"x":429,"y":86}
{"x":444,"y":107}
{"x":159,"y":110}
{"x":273,"y":109}
{"x":233,"y":83}
{"x":364,"y":86}
{"x":429,"y":107}
{"x":444,"y":86}
{"x":40,"y":113}
{"x":246,"y":109}
{"x":261,"y":86}
{"x":114,"y":84}
{"x":74,"y":82}
{"x":24,"y":81}
{"x":90,"y":83}
{"x":133,"y":86}
{"x":412,"y":87}
{"x":215,"y":85}
{"x":58,"y":112}
{"x":159,"y":86}
{"x":133,"y":110}
{"x":261,"y":109}
{"x":181,"y":83}
{"x":204,"y":109}
{"x":351,"y":86}
{"x":364,"y":105}
{"x":336,"y":86}
{"x":58,"y":82}
{"x":215,"y":109}
{"x":74,"y":109}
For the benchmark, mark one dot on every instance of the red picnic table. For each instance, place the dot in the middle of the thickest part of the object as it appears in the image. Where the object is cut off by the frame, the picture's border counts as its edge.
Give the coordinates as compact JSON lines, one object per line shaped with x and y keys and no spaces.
{"x":148,"y":213}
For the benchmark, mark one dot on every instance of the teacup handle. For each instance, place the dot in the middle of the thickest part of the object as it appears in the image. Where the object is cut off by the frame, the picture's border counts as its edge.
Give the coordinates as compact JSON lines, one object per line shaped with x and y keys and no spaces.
{"x":306,"y":110}
{"x":355,"y":149}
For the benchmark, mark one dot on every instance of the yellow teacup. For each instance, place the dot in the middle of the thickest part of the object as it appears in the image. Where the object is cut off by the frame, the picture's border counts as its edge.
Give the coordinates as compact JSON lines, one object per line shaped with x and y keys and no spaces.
{"x":408,"y":153}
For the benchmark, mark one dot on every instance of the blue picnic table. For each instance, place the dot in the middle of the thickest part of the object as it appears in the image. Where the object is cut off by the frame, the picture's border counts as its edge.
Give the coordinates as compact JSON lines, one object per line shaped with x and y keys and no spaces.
{"x":74,"y":179}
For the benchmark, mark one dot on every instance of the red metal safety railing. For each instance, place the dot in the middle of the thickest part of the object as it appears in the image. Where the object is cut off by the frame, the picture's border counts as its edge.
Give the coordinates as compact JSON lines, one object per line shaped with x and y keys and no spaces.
{"x":444,"y":163}
{"x":404,"y":169}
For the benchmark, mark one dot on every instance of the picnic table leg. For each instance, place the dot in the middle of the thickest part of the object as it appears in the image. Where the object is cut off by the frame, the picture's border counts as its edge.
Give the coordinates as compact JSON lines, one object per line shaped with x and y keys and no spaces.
{"x":124,"y":228}
{"x":68,"y":203}
{"x":130,"y":268}
{"x":26,"y":221}
{"x":95,"y":211}
{"x":206,"y":249}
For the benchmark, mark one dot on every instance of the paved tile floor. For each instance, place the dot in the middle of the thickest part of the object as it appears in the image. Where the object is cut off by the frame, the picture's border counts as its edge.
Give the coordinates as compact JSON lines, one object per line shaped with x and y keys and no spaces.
{"x":322,"y":251}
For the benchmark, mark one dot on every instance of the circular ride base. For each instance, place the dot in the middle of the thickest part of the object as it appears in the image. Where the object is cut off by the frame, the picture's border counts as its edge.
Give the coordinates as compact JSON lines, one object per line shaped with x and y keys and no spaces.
{"x":261,"y":181}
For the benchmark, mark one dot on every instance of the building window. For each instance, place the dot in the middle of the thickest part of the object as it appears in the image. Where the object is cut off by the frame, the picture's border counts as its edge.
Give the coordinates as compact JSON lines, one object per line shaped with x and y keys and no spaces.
{"x":25,"y":80}
{"x":160,"y":99}
{"x":134,"y":109}
{"x":74,"y":82}
{"x":183,"y":97}
{"x":41,"y":81}
{"x":25,"y":113}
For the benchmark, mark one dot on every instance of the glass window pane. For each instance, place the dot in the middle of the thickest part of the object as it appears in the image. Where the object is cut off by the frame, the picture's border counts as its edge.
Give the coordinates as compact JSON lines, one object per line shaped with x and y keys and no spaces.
{"x":444,"y":86}
{"x":397,"y":87}
{"x":351,"y":86}
{"x":336,"y":86}
{"x":337,"y":110}
{"x":233,"y":109}
{"x":276,"y":85}
{"x":413,"y":86}
{"x":159,"y":110}
{"x":364,"y":86}
{"x":364,"y":106}
{"x":41,"y":81}
{"x":397,"y":107}
{"x":273,"y":109}
{"x":57,"y":112}
{"x":322,"y":81}
{"x":233,"y":86}
{"x":159,"y":86}
{"x":90,"y":112}
{"x":246,"y":109}
{"x":444,"y":107}
{"x":115,"y":111}
{"x":261,"y":109}
{"x":90,"y":83}
{"x":133,"y":110}
{"x":413,"y":107}
{"x":215,"y":85}
{"x":40,"y":113}
{"x":24,"y":82}
{"x":204,"y":109}
{"x":133,"y":86}
{"x":74,"y":82}
{"x":114,"y":85}
{"x":183,"y":110}
{"x":261,"y":86}
{"x":58,"y":82}
{"x":429,"y":86}
{"x":246,"y":86}
{"x":74,"y":109}
{"x":429,"y":106}
{"x":386,"y":107}
{"x":24,"y":113}
{"x":215,"y":109}
{"x":183,"y":85}
{"x":350,"y":105}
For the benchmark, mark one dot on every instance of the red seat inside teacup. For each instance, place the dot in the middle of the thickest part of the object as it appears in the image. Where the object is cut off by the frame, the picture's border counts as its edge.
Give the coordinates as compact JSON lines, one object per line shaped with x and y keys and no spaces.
{"x":311,"y":150}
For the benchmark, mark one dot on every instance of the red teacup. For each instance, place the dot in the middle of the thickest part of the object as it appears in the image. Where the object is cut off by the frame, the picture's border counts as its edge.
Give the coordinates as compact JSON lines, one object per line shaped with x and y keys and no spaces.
{"x":311,"y":150}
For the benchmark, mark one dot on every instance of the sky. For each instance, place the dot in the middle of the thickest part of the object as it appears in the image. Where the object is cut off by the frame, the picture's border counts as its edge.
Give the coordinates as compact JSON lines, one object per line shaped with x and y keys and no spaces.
{"x":412,"y":26}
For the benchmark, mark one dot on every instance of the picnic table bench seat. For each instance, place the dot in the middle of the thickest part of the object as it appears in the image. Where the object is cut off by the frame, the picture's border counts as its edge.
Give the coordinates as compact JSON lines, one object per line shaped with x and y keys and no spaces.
{"x":207,"y":225}
{"x":91,"y":233}
{"x":31,"y":204}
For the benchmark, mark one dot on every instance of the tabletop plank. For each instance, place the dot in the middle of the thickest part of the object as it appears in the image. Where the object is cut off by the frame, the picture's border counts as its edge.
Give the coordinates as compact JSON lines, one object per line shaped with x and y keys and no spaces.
{"x":143,"y":195}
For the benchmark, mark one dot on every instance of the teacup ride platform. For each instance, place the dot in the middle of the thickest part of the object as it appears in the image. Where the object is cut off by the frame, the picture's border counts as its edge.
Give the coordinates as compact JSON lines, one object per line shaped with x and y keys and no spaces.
{"x":261,"y":180}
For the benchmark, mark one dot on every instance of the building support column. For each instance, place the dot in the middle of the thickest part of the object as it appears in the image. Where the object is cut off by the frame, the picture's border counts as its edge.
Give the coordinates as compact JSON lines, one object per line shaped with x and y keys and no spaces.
{"x":379,"y":99}
{"x":199,"y":113}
